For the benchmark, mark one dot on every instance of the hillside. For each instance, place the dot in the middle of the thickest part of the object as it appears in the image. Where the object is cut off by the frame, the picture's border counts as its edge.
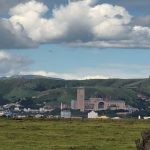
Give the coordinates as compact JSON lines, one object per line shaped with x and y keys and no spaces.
{"x":55,"y":90}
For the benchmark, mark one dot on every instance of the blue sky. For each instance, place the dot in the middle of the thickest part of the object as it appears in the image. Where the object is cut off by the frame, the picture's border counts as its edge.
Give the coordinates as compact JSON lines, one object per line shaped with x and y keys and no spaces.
{"x":77,"y":53}
{"x":127,"y":63}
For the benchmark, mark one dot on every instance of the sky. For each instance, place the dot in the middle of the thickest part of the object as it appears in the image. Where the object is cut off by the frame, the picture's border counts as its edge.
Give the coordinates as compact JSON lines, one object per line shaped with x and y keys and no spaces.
{"x":86,"y":39}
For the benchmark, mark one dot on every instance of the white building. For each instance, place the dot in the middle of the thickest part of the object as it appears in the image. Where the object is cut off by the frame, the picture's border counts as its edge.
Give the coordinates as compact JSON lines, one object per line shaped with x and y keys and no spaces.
{"x":139,"y":117}
{"x":1,"y":113}
{"x":38,"y":116}
{"x":146,"y":118}
{"x":116,"y":118}
{"x":103,"y":117}
{"x":65,"y":114}
{"x":16,"y":109}
{"x":20,"y":116}
{"x":92,"y":114}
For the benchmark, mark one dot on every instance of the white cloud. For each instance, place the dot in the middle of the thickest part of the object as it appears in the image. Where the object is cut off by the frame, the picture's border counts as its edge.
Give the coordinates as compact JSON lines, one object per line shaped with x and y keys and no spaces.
{"x":11,"y":38}
{"x":142,"y":20}
{"x":109,"y":22}
{"x":104,"y":71}
{"x":17,"y":65}
{"x":81,"y":23}
{"x":98,"y":22}
{"x":67,"y":76}
{"x":4,"y":56}
{"x":12,"y":64}
{"x":30,"y":16}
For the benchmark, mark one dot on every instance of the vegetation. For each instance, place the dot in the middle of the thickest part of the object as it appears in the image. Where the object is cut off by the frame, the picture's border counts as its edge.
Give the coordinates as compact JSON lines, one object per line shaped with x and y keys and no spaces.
{"x":70,"y":134}
{"x":41,"y":90}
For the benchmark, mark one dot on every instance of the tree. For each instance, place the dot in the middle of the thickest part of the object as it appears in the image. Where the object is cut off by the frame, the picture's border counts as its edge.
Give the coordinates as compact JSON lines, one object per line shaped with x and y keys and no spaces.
{"x":3,"y":101}
{"x":28,"y":103}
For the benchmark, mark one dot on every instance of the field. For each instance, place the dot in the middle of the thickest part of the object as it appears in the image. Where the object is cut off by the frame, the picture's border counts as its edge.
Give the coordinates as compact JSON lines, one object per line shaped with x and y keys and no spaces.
{"x":70,"y":134}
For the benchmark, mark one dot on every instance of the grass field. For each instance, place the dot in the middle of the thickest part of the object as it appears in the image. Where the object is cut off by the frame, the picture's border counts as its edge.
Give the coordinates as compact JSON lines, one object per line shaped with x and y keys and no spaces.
{"x":70,"y":135}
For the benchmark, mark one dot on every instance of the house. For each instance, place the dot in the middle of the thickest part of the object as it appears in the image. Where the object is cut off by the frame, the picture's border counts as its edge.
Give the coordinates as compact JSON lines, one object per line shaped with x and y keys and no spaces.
{"x":103,"y":117}
{"x":116,"y":118}
{"x":65,"y":114}
{"x":146,"y":118}
{"x":92,"y":114}
{"x":1,"y":113}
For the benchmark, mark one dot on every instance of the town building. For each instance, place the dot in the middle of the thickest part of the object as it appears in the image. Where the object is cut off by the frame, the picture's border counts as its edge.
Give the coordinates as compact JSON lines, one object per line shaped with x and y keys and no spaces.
{"x":65,"y":114}
{"x":95,"y":104}
{"x":103,"y":117}
{"x":92,"y":114}
{"x":146,"y":118}
{"x":2,"y":113}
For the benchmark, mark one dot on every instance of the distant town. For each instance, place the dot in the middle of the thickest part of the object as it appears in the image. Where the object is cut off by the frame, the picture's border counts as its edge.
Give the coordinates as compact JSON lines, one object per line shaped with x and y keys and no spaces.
{"x":98,"y":107}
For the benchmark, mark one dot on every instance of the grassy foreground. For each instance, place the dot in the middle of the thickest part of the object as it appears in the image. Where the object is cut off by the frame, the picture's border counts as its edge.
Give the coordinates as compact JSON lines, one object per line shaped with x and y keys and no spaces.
{"x":70,"y":135}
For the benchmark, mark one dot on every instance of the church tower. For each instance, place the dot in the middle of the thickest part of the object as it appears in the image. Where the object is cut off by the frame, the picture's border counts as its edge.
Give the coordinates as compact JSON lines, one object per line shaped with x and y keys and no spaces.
{"x":80,"y":98}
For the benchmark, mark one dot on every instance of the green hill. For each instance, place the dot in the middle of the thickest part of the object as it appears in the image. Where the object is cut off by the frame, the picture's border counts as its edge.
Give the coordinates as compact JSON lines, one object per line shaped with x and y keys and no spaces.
{"x":51,"y":90}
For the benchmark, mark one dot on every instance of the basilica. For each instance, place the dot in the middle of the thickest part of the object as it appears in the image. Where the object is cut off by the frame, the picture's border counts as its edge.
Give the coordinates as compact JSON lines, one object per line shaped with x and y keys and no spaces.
{"x":95,"y":104}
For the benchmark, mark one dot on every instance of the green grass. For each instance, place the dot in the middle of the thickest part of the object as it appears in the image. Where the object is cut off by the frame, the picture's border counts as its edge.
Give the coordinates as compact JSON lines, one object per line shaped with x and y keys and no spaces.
{"x":70,"y":135}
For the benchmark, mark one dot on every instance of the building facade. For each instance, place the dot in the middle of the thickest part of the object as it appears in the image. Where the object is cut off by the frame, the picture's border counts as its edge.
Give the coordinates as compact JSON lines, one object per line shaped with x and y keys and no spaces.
{"x":92,"y":114}
{"x":80,"y":99}
{"x":65,"y":114}
{"x":95,"y":104}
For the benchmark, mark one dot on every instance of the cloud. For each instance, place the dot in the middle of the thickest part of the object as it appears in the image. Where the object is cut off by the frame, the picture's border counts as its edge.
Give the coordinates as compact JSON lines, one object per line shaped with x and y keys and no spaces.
{"x":80,"y":23}
{"x":103,"y":22}
{"x":5,"y":5}
{"x":105,"y":71}
{"x":18,"y":65}
{"x":12,"y":37}
{"x":142,"y":21}
{"x":66,"y":76}
{"x":12,"y":64}
{"x":132,"y":6}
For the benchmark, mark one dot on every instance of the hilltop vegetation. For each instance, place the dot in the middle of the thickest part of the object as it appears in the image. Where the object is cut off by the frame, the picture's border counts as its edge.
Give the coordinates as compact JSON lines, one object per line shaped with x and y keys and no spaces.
{"x":42,"y":89}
